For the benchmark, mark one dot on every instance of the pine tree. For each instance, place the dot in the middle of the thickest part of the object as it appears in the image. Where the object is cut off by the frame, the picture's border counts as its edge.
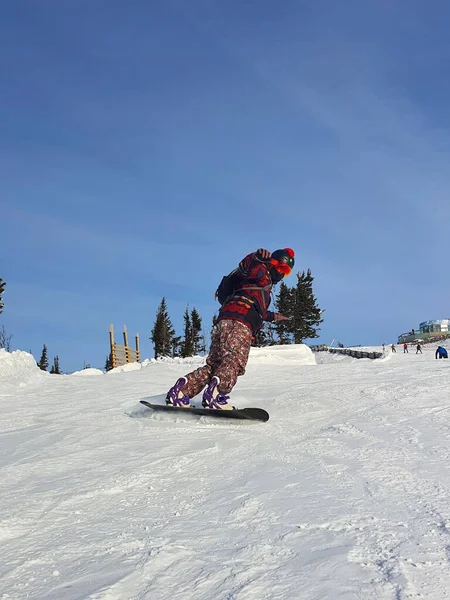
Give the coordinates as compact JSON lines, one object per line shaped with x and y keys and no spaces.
{"x":187,"y":345}
{"x":2,"y":291}
{"x":198,"y":339}
{"x":307,"y":315}
{"x":43,"y":363}
{"x":285,"y":305}
{"x":262,"y":337}
{"x":109,"y":362}
{"x":5,"y":339}
{"x":270,"y":330}
{"x":163,"y":332}
{"x":55,"y":370}
{"x":176,"y":346}
{"x":213,"y":325}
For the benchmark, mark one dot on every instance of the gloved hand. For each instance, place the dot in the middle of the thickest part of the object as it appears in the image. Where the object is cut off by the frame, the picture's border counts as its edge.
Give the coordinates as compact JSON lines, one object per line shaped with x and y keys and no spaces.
{"x":263,"y":255}
{"x":278,"y":317}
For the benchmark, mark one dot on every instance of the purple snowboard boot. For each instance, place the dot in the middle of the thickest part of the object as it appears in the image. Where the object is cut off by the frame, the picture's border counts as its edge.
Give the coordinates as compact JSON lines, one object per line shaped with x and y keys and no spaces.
{"x":212,"y":398}
{"x":175,"y":396}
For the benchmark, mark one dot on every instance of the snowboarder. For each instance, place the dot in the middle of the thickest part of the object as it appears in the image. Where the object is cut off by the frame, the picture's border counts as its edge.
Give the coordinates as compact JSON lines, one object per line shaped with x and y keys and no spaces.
{"x":405,"y":348}
{"x":418,"y":348}
{"x":240,"y":318}
{"x":393,"y":348}
{"x":441,"y":352}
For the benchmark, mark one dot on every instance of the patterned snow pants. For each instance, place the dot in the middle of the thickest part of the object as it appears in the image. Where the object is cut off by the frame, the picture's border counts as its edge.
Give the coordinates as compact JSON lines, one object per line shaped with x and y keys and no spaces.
{"x":228,"y":356}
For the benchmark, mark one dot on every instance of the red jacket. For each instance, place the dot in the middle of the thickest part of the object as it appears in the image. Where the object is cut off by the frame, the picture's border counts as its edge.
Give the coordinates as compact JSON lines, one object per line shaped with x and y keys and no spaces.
{"x":250,"y":305}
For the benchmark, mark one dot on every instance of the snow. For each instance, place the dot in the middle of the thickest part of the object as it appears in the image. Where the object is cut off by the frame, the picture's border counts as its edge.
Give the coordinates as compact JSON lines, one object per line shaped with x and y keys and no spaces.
{"x":343,"y":494}
{"x":18,"y":369}
{"x":87,"y":372}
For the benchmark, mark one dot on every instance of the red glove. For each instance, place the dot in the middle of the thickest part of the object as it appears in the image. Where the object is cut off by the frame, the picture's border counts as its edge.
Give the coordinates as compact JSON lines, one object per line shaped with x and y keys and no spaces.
{"x":263,"y":255}
{"x":278,"y":317}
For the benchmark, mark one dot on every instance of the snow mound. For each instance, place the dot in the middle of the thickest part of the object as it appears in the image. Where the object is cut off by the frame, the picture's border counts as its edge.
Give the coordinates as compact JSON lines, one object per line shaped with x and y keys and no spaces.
{"x":87,"y":372}
{"x":18,"y":369}
{"x":126,"y":368}
{"x":299,"y":354}
{"x":148,"y":362}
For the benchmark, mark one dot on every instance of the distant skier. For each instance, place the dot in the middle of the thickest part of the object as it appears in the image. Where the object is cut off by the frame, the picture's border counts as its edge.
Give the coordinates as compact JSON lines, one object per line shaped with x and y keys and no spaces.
{"x":240,"y":318}
{"x":418,"y":348}
{"x":393,"y":349}
{"x":441,"y":352}
{"x":405,"y":348}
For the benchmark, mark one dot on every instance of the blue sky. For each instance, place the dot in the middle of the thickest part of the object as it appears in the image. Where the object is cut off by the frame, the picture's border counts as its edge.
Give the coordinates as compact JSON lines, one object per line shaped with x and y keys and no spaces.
{"x":145,"y":148}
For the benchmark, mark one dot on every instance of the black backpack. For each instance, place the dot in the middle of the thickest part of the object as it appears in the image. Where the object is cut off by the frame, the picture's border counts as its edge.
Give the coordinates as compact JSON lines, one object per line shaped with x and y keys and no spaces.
{"x":231,"y":284}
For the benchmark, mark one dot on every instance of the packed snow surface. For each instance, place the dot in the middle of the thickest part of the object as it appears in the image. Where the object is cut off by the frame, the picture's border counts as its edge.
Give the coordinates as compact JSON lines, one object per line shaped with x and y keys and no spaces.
{"x":344,"y":494}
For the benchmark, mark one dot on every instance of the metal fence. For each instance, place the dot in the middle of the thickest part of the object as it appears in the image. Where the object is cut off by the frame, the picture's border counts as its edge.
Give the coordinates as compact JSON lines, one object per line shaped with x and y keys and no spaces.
{"x":348,"y":351}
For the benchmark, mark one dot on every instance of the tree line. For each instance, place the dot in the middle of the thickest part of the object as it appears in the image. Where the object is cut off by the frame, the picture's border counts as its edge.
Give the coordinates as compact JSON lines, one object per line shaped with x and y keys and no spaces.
{"x":297,"y":302}
{"x":43,"y":362}
{"x":167,"y":343}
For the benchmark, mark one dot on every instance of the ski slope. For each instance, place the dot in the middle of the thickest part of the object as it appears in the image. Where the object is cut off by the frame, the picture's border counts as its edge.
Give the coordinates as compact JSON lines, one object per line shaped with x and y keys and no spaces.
{"x":344,"y":494}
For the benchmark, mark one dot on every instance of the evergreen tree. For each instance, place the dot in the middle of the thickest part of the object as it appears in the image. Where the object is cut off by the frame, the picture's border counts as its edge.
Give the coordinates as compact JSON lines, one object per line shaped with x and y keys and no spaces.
{"x":43,"y":363}
{"x":270,"y":331}
{"x":198,"y":339}
{"x":284,"y":302}
{"x":2,"y":290}
{"x":307,"y":315}
{"x":176,"y":346}
{"x":108,"y":362}
{"x":187,"y":345}
{"x":163,"y":332}
{"x":213,"y":324}
{"x":262,"y":337}
{"x":5,"y":339}
{"x":55,"y":370}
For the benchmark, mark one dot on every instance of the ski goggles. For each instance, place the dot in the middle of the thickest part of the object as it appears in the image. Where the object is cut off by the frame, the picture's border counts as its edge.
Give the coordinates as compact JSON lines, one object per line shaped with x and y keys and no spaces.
{"x":281,"y":267}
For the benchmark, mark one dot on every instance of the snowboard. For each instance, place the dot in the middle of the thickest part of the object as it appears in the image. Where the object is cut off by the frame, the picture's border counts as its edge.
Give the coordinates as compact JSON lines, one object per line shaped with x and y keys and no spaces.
{"x":249,"y":414}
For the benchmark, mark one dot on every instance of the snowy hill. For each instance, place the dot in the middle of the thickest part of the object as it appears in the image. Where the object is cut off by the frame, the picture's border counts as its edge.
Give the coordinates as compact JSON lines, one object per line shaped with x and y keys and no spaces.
{"x":343,"y":494}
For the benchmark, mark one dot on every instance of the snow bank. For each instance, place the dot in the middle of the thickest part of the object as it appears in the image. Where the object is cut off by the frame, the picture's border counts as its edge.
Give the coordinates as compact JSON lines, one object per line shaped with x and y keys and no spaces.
{"x":18,"y":369}
{"x":299,"y":354}
{"x":126,"y":368}
{"x":87,"y":372}
{"x":148,"y":362}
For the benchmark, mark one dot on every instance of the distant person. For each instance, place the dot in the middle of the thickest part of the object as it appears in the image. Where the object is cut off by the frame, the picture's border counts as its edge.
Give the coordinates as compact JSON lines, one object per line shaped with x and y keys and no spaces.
{"x":441,"y":352}
{"x":418,"y":348}
{"x":393,"y":349}
{"x":405,"y":348}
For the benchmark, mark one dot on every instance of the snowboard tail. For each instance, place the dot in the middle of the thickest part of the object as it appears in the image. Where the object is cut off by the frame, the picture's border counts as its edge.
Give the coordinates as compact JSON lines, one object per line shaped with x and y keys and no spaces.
{"x":249,"y":414}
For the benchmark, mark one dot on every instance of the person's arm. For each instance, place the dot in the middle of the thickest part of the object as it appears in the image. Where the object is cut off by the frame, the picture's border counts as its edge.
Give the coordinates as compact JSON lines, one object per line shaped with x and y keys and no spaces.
{"x":275,"y":317}
{"x":251,"y":260}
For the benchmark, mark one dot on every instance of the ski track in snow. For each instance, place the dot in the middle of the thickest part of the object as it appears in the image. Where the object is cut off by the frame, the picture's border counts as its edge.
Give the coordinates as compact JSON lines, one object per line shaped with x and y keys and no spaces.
{"x":343,"y":494}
